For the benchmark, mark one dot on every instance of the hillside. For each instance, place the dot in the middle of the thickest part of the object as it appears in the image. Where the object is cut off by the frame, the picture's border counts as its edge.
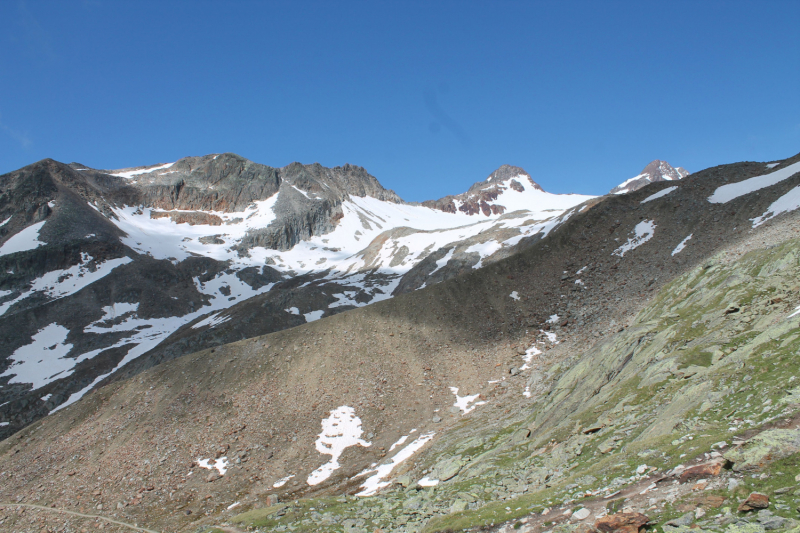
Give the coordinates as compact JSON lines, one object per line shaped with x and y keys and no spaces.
{"x":579,"y":372}
{"x":109,"y":272}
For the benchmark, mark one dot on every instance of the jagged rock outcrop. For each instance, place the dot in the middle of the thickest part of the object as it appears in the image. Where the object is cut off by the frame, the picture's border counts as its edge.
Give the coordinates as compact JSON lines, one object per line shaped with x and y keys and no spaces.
{"x":483,"y":196}
{"x":654,"y":172}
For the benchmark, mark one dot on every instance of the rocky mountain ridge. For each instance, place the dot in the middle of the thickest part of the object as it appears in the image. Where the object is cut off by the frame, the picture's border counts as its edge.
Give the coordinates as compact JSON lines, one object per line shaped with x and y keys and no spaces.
{"x":566,"y":386}
{"x":120,"y":270}
{"x":654,"y":172}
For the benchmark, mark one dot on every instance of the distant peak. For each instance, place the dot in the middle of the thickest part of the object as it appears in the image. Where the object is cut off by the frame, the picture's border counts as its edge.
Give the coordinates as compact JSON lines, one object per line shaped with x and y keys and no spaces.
{"x":506,"y":172}
{"x":656,"y":170}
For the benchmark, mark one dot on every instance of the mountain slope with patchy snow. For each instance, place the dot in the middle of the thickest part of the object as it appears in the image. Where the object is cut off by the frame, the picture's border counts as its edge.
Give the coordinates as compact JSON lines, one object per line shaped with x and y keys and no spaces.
{"x":208,"y":250}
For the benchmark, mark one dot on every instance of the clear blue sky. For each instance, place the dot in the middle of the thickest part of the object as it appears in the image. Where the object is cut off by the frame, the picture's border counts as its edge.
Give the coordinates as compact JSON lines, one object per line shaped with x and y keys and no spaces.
{"x":428,"y":96}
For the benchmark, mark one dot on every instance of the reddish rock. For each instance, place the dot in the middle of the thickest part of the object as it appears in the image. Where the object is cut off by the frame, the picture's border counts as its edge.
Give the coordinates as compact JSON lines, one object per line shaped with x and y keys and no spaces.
{"x":756,"y":500}
{"x":621,"y":523}
{"x":709,"y":469}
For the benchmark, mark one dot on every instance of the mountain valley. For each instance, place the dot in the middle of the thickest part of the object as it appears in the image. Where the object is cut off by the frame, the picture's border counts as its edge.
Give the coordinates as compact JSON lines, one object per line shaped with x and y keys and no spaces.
{"x":236,"y":347}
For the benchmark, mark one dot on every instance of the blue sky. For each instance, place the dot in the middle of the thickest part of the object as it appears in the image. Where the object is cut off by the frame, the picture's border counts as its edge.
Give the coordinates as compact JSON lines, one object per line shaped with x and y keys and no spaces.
{"x":428,"y":96}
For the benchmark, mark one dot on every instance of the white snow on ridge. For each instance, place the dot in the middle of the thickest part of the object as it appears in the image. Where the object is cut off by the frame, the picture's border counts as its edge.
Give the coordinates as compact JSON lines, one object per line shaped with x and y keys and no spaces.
{"x":61,"y":283}
{"x":340,"y":430}
{"x":212,"y":321}
{"x":659,"y":194}
{"x":682,"y":245}
{"x":131,"y":173}
{"x":625,"y":183}
{"x":643,"y":232}
{"x":27,"y":239}
{"x":731,"y":191}
{"x":6,"y":221}
{"x":788,"y":202}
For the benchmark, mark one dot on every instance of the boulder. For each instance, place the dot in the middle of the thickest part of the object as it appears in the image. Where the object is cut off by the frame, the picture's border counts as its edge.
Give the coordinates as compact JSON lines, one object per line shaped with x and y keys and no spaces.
{"x":704,"y":470}
{"x":764,"y":448}
{"x":621,"y":523}
{"x":756,"y":500}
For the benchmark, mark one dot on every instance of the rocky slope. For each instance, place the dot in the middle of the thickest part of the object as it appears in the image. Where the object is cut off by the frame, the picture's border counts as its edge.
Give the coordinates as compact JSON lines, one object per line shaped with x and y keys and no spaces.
{"x":641,"y":332}
{"x":109,"y":272}
{"x":654,"y":172}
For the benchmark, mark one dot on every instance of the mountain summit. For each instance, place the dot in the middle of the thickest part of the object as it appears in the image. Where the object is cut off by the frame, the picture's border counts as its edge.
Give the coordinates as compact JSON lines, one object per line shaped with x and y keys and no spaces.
{"x":655,"y":171}
{"x":507,"y":189}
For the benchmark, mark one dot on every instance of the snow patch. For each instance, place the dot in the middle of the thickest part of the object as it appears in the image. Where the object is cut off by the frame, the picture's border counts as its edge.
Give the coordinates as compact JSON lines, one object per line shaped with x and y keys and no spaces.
{"x":27,"y":239}
{"x":514,"y":296}
{"x":220,"y":464}
{"x":729,"y":192}
{"x":399,"y":442}
{"x":6,"y":221}
{"x":44,"y":359}
{"x":682,"y":245}
{"x":788,"y":202}
{"x":642,"y":233}
{"x":427,"y":482}
{"x":466,"y":403}
{"x":282,"y":481}
{"x":444,"y":260}
{"x":659,"y":194}
{"x":212,"y":321}
{"x":528,"y":357}
{"x":293,"y":311}
{"x":131,"y":173}
{"x":340,"y":430}
{"x":376,"y":482}
{"x":484,"y":249}
{"x":313,"y":315}
{"x":61,"y":283}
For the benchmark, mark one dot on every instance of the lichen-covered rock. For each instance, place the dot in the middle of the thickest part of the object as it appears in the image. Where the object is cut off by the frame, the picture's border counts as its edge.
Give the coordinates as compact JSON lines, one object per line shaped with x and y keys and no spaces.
{"x":764,"y":448}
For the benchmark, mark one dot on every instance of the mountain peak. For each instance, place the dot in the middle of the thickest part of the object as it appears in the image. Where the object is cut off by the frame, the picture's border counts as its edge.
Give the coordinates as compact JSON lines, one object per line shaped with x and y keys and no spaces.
{"x":656,"y":170}
{"x":505,"y":173}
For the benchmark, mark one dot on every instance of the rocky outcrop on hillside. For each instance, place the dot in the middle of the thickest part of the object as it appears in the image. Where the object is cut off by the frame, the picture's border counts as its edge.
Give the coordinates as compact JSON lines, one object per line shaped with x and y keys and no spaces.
{"x":654,"y":172}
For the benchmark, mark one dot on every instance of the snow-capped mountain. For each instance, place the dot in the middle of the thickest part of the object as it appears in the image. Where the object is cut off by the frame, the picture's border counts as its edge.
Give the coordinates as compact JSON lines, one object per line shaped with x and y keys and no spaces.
{"x":655,"y":171}
{"x":123,"y":269}
{"x":506,"y":189}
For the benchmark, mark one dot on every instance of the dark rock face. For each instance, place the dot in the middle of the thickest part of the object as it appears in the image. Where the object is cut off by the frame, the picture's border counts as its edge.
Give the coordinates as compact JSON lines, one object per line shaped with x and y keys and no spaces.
{"x":654,"y":172}
{"x":481,"y":197}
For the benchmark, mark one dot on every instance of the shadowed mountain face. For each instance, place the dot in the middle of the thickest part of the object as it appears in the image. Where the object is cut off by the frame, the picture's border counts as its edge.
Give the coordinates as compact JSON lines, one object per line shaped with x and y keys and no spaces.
{"x":110,"y":272}
{"x":605,"y":355}
{"x":654,"y":172}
